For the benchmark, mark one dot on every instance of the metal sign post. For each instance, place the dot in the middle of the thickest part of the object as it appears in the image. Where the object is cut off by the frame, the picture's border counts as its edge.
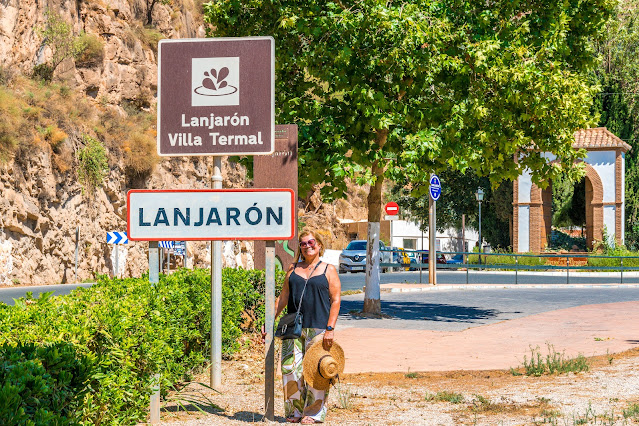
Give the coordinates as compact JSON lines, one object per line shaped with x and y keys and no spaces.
{"x":77,"y":243}
{"x":154,"y":262}
{"x":216,"y":292}
{"x":269,"y":323}
{"x":216,"y":96}
{"x":117,"y":262}
{"x":435,"y":190}
{"x":116,"y":238}
{"x":212,"y":214}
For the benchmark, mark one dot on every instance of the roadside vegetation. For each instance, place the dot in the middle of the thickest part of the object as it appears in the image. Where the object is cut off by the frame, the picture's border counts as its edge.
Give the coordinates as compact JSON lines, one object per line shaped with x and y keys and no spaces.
{"x":48,"y":116}
{"x":90,"y":357}
{"x":552,"y":363}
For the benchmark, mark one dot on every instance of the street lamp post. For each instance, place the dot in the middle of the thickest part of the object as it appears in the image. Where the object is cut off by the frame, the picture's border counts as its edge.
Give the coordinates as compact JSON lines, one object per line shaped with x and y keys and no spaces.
{"x":479,"y":195}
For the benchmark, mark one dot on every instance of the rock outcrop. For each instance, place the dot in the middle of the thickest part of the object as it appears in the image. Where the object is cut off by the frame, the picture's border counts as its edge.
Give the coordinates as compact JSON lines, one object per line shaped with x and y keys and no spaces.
{"x":127,"y":70}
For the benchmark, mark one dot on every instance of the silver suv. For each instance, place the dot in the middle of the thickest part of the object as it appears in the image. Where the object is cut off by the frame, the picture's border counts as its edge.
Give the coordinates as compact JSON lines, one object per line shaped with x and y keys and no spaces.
{"x":353,"y":257}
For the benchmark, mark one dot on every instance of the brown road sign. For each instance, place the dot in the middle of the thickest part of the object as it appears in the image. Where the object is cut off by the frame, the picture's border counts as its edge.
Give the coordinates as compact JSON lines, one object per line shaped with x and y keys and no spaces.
{"x":216,"y":96}
{"x":278,"y":170}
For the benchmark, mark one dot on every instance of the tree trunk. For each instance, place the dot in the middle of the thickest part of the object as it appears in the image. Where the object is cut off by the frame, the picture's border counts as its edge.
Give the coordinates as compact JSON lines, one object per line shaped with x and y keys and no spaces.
{"x":149,"y":11}
{"x":372,"y":302}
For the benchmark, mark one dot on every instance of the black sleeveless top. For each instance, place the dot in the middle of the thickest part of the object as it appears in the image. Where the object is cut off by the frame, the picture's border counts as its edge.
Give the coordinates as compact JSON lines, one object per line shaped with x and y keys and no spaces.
{"x":316,"y":303}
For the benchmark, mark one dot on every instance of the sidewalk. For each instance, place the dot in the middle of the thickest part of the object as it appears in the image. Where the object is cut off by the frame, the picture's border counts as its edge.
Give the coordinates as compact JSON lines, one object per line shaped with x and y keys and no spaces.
{"x":588,"y":330}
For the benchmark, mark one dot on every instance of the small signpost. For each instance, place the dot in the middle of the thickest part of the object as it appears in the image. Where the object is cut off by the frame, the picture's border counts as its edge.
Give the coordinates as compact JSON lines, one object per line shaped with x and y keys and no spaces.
{"x":435,"y":190}
{"x":117,"y":238}
{"x":435,"y":187}
{"x":392,"y":210}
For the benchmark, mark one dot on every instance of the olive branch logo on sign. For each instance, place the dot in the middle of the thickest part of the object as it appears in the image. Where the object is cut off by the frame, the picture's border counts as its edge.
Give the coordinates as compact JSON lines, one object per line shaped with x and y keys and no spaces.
{"x":215,"y":81}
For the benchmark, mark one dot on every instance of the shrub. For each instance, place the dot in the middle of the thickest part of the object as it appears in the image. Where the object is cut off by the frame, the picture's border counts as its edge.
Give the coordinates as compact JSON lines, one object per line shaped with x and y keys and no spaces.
{"x":58,"y":35}
{"x":140,"y":154}
{"x":507,"y":259}
{"x":149,"y":37}
{"x":92,"y":53}
{"x":42,"y":384}
{"x":93,"y":164}
{"x":116,"y":335}
{"x":553,"y":363}
{"x":11,"y":124}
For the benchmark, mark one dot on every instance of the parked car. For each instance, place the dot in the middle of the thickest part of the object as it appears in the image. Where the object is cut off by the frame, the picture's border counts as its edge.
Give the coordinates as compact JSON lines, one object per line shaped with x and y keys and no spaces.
{"x":441,"y":259}
{"x":353,"y":257}
{"x":400,"y":257}
{"x":458,"y":259}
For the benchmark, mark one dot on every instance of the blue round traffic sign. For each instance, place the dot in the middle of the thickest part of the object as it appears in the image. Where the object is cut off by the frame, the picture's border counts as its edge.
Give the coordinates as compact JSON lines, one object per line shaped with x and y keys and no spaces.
{"x":435,"y":188}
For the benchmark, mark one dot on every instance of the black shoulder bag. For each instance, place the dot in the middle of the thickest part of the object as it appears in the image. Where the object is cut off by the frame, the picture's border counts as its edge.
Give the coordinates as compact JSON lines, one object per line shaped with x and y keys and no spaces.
{"x":290,"y":326}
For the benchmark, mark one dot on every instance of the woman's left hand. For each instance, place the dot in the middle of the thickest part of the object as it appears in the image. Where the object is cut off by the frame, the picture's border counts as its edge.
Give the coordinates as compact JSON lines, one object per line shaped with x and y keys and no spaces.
{"x":328,"y":339}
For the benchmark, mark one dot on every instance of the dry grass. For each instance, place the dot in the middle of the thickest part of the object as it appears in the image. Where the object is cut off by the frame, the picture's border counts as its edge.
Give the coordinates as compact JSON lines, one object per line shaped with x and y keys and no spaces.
{"x":50,"y":116}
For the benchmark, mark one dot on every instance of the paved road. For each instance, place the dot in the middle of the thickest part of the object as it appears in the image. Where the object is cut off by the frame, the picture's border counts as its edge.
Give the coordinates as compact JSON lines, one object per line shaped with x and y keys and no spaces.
{"x":8,"y":294}
{"x":457,"y":310}
{"x":355,"y":281}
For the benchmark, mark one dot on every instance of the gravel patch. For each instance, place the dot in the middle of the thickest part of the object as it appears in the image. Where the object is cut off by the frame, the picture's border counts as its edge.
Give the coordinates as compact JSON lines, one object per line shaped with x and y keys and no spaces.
{"x":599,"y":396}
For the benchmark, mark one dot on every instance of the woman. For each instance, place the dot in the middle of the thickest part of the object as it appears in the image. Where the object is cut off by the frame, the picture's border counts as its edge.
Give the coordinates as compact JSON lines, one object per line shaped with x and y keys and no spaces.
{"x":320,"y":308}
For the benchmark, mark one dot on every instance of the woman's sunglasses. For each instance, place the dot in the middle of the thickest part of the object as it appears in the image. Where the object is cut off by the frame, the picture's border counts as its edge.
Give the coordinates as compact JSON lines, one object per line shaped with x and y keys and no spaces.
{"x":310,"y":243}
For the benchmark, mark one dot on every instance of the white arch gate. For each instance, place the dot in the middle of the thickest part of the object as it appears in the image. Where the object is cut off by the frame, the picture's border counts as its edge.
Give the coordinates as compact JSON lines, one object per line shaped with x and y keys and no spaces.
{"x":605,"y":183}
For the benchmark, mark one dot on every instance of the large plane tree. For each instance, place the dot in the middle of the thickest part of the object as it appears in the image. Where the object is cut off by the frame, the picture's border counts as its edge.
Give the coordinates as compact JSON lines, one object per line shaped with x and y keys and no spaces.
{"x":383,"y":89}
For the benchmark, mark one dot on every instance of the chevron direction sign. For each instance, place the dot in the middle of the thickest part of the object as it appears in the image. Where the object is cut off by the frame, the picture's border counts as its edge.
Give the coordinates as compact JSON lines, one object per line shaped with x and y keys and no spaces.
{"x":166,"y":244}
{"x":117,"y":238}
{"x":211,"y":214}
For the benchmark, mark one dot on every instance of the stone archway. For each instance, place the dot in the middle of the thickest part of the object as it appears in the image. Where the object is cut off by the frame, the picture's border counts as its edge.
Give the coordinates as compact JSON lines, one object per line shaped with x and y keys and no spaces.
{"x":532,"y":206}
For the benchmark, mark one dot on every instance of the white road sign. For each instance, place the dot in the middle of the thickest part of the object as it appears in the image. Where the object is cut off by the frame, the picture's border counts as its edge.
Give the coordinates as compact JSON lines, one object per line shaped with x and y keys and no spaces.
{"x":217,"y":214}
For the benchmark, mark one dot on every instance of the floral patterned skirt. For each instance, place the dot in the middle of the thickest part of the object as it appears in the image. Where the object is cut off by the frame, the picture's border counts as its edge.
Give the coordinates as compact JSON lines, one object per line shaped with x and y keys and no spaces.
{"x":299,"y":398}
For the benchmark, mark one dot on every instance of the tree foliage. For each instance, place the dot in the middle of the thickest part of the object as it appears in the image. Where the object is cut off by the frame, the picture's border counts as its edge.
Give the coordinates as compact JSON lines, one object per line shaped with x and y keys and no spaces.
{"x":457,"y":199}
{"x":395,"y":89}
{"x":58,"y":35}
{"x":426,"y":85}
{"x":618,"y":102}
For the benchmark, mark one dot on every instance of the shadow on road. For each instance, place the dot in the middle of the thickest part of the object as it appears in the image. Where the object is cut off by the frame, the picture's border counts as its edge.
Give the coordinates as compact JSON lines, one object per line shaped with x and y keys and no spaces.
{"x":422,"y":311}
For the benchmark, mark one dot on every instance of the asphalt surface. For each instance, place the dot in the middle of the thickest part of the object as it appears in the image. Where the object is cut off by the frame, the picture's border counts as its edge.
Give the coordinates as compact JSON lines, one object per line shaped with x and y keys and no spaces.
{"x":444,"y":310}
{"x":8,"y":294}
{"x":458,"y":310}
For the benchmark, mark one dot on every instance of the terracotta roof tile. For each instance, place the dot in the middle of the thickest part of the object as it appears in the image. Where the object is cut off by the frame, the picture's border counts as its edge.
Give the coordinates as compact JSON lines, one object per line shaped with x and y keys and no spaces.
{"x":598,"y":138}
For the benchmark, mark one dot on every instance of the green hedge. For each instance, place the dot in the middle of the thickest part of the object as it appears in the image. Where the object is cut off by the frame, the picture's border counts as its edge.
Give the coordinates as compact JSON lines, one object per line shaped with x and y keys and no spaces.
{"x":595,"y":262}
{"x":116,"y":335}
{"x":506,"y":259}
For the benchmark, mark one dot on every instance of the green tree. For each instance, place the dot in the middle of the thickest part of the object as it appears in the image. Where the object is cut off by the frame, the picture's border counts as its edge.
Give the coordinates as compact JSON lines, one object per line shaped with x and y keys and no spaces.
{"x":457,"y":199}
{"x":618,"y":102}
{"x":58,"y":35}
{"x":386,"y":89}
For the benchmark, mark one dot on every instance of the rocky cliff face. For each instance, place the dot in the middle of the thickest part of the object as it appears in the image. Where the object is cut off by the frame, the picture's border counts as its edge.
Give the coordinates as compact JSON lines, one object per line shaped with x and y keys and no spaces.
{"x":45,"y":217}
{"x":128,"y":69}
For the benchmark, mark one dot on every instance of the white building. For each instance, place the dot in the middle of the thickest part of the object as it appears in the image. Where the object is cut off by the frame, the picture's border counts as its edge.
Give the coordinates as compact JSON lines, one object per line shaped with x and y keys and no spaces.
{"x":407,"y":235}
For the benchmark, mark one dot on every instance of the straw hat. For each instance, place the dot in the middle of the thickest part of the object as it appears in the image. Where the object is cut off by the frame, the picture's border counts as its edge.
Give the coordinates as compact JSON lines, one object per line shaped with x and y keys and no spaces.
{"x":321,"y":367}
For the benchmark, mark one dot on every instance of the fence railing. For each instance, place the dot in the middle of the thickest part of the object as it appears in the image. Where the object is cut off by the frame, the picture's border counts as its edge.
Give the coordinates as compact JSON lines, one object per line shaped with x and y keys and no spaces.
{"x":417,"y":260}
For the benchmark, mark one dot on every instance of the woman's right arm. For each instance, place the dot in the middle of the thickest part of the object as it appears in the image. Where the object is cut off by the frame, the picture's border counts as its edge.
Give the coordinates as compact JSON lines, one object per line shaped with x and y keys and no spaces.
{"x":282,"y":299}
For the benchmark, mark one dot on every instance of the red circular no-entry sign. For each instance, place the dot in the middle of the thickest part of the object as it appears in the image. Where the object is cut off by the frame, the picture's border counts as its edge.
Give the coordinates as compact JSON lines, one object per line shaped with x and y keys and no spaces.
{"x":392,"y":208}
